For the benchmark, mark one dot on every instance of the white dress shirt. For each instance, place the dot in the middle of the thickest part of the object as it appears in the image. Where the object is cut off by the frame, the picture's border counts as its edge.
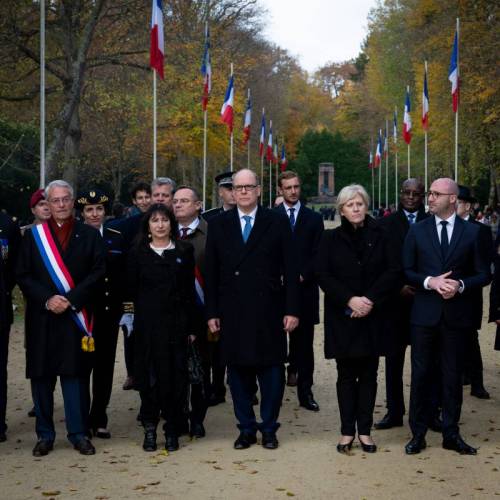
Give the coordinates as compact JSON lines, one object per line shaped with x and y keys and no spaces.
{"x":191,"y":227}
{"x":252,"y":215}
{"x":296,"y":207}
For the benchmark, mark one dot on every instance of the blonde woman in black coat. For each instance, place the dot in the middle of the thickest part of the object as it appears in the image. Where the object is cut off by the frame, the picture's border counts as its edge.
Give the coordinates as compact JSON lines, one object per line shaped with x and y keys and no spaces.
{"x":358,"y":270}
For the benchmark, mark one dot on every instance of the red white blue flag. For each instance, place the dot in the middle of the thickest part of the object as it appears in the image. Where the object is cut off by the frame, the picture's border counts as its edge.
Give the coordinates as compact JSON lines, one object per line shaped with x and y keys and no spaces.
{"x":453,"y":74}
{"x":262,"y":134}
{"x":407,"y":119}
{"x":283,"y":161}
{"x":206,"y":70}
{"x":395,"y":127}
{"x":269,"y":151}
{"x":386,"y":145}
{"x":248,"y":120}
{"x":227,"y":110}
{"x":157,"y":50}
{"x":370,"y":160}
{"x":425,"y":104}
{"x":275,"y":153}
{"x":378,"y":152}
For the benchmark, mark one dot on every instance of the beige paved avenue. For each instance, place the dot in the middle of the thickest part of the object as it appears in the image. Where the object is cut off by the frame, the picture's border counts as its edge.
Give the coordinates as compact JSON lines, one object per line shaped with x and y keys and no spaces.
{"x":305,"y":466}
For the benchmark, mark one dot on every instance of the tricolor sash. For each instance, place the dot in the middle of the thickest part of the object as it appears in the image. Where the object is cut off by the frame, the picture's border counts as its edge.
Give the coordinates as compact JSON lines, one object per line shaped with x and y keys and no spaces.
{"x":61,"y":278}
{"x":199,"y":285}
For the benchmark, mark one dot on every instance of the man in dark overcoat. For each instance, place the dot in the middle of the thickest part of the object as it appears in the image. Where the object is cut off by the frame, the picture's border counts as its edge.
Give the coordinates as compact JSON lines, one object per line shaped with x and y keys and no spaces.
{"x":443,"y":260}
{"x":58,"y":340}
{"x":224,"y":182}
{"x":252,"y":298}
{"x":10,"y":238}
{"x":411,"y":211}
{"x":307,"y":228}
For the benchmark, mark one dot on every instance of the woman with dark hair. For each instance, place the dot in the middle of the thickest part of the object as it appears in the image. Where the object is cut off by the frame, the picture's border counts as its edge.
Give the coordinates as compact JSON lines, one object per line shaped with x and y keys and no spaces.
{"x":358,"y":271}
{"x":161,"y":284}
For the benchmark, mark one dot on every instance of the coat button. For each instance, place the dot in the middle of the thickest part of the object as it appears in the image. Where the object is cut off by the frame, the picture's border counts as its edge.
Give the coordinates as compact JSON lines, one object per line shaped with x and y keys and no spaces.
{"x":236,"y":273}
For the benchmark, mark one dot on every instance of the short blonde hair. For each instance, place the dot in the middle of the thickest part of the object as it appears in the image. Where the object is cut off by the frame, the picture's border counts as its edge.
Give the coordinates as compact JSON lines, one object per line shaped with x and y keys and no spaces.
{"x":349,"y":192}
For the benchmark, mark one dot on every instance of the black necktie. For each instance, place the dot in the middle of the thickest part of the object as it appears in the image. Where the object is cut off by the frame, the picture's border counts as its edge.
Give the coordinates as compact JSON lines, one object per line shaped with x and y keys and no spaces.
{"x":184,"y":232}
{"x":292,"y":217}
{"x":444,"y":238}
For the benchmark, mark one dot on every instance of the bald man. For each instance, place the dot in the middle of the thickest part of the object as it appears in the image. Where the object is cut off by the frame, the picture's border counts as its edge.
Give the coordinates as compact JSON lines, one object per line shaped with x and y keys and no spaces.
{"x":445,"y":264}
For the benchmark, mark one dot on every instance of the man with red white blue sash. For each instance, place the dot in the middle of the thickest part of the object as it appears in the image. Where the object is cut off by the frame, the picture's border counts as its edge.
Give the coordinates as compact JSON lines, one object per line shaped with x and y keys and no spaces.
{"x":60,"y":264}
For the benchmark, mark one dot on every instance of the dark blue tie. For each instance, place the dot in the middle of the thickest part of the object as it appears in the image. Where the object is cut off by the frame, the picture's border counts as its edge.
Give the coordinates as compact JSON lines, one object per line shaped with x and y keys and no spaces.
{"x":247,"y":228}
{"x":292,"y":217}
{"x":411,"y":218}
{"x":444,"y":238}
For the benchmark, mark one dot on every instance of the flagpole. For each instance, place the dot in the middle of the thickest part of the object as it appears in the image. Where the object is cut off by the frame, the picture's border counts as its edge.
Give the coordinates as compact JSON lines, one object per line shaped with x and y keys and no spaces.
{"x":154,"y":124}
{"x":380,"y":183}
{"x":232,"y":135}
{"x":205,"y":121}
{"x":458,"y":102}
{"x":42,"y":93}
{"x":270,"y":183}
{"x":425,"y":148}
{"x":373,"y":175}
{"x":396,"y":180}
{"x":409,"y":170}
{"x":387,"y":164}
{"x":248,"y":141}
{"x":262,"y":177}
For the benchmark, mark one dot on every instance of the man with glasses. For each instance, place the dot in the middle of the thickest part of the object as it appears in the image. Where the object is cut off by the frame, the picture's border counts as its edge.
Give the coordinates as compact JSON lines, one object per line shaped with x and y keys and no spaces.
{"x":252,"y":299}
{"x":59,"y":269}
{"x":411,"y":211}
{"x":443,"y":260}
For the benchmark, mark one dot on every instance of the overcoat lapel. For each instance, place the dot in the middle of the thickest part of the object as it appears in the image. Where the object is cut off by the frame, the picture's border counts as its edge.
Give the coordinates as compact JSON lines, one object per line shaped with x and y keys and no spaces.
{"x":456,"y":235}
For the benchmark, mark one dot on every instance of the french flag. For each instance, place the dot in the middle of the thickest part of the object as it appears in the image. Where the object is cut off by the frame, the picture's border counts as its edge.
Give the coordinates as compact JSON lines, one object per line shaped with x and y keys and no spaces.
{"x":262,"y":134}
{"x":206,"y":70}
{"x":157,"y":50}
{"x":269,"y":151}
{"x":283,"y":161}
{"x":248,"y":120}
{"x":226,"y":111}
{"x":275,"y":154}
{"x":453,"y":74}
{"x":370,"y":160}
{"x":407,"y":118}
{"x":395,"y":126}
{"x":425,"y":103}
{"x":378,"y":152}
{"x":386,"y":146}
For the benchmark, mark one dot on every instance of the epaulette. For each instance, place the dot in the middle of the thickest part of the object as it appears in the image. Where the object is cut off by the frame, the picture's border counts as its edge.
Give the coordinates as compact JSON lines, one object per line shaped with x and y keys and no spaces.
{"x":113,"y":230}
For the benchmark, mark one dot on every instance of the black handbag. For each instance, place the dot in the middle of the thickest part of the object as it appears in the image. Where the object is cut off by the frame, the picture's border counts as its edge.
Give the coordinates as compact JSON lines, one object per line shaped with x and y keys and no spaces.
{"x":195,"y":368}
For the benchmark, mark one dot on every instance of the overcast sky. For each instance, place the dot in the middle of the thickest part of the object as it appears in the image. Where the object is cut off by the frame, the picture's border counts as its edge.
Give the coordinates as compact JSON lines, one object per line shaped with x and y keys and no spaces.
{"x":318,"y":31}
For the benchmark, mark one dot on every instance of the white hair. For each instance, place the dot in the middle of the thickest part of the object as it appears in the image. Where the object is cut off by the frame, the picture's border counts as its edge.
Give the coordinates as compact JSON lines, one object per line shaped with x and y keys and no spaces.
{"x":163,"y":181}
{"x":58,"y":183}
{"x":349,"y":192}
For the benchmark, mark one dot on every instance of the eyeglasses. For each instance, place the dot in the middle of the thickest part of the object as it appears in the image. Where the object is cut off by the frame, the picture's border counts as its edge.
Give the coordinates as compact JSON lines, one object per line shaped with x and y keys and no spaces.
{"x":409,"y":193}
{"x":437,"y":194}
{"x":246,"y":187}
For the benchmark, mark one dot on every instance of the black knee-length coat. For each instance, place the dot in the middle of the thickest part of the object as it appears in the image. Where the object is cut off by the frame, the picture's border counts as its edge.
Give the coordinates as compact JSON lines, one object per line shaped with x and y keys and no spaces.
{"x":162,"y":289}
{"x":348,"y":265}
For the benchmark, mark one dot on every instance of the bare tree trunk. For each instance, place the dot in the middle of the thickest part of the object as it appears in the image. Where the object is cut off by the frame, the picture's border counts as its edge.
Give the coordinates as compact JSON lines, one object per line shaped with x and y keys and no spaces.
{"x":72,"y":150}
{"x":493,"y":197}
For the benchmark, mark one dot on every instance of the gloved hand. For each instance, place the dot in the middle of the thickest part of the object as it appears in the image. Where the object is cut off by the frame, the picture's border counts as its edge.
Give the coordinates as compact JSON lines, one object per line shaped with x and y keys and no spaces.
{"x":127,"y":324}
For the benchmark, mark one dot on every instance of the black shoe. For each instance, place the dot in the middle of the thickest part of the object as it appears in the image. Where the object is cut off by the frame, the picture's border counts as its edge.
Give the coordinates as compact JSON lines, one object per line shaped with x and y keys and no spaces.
{"x":309,"y":404}
{"x":128,"y":384}
{"x":183,"y":428}
{"x":171,"y":443}
{"x":388,"y":422}
{"x":197,"y":431}
{"x":346,"y":447}
{"x":366,"y":447}
{"x":42,"y":448}
{"x":214,"y":400}
{"x":255,"y":400}
{"x":466,"y":380}
{"x":244,"y":441}
{"x":436,"y":425}
{"x":3,"y":437}
{"x":416,"y":445}
{"x":269,"y":440}
{"x":480,"y":392}
{"x":32,"y":413}
{"x":459,"y":445}
{"x":291,"y":380}
{"x":149,"y":443}
{"x":85,"y":447}
{"x":102,"y":433}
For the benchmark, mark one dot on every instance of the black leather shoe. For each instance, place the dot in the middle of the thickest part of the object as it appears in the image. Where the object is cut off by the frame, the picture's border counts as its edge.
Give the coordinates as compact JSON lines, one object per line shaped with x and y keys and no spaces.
{"x":480,"y":392}
{"x":436,"y":425}
{"x":416,"y":445}
{"x":309,"y":404}
{"x":214,"y":400}
{"x":171,"y":443}
{"x":183,"y":427}
{"x":102,"y":433}
{"x":42,"y":448}
{"x":3,"y":437}
{"x":388,"y":422}
{"x":32,"y":413}
{"x":85,"y":447}
{"x":291,"y":380}
{"x":244,"y":441}
{"x":345,"y":447}
{"x":149,"y":443}
{"x":197,"y":431}
{"x":269,"y":440}
{"x":367,"y":447}
{"x":459,"y":445}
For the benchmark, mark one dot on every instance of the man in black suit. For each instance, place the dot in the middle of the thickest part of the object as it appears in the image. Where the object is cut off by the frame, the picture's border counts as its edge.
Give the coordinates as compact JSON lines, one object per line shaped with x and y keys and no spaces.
{"x":224,"y":182}
{"x":443,"y":260}
{"x":473,"y":358}
{"x":10,"y":238}
{"x":410,"y":211}
{"x":252,"y":298}
{"x":307,"y":228}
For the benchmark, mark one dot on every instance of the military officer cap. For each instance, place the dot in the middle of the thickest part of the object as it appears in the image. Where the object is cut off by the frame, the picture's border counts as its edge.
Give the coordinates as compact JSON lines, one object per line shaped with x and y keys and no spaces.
{"x":92,"y":197}
{"x":225,"y":179}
